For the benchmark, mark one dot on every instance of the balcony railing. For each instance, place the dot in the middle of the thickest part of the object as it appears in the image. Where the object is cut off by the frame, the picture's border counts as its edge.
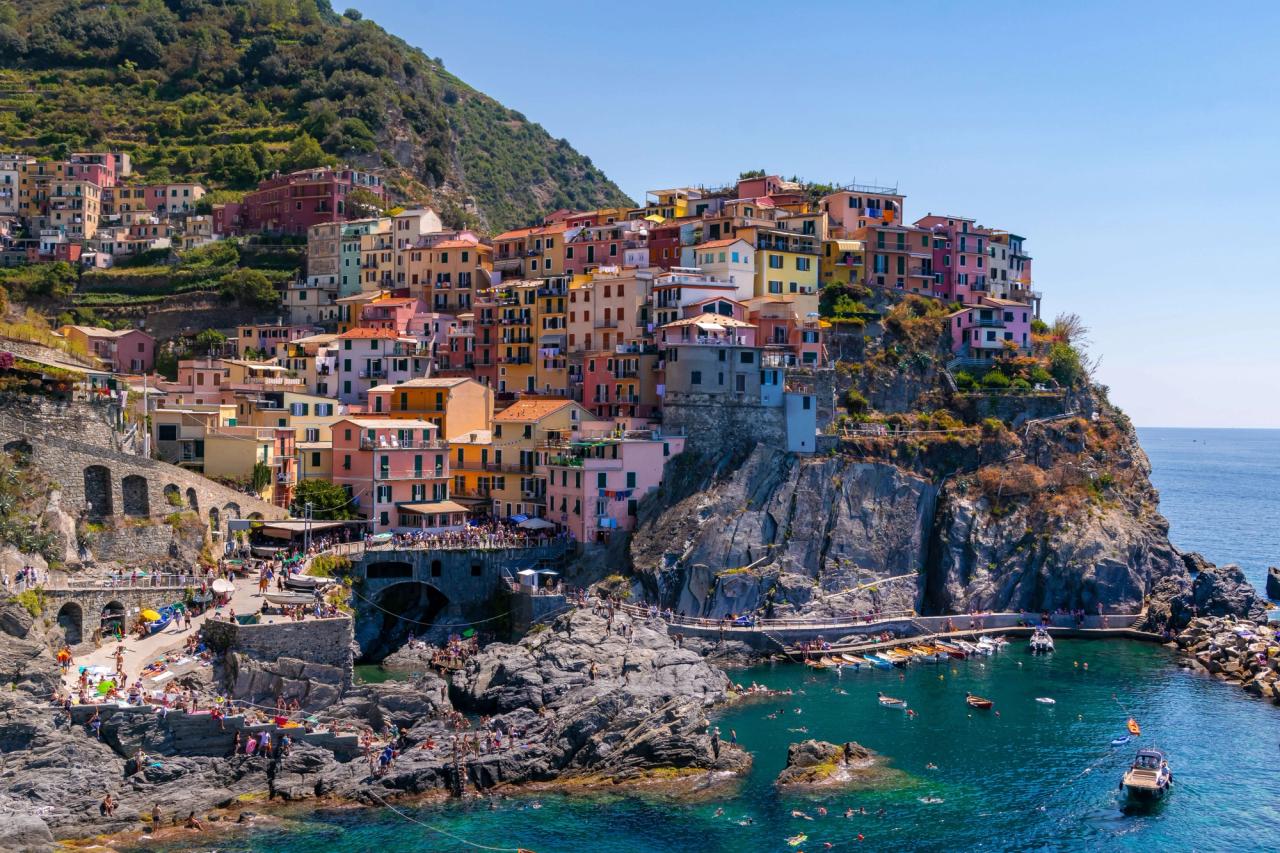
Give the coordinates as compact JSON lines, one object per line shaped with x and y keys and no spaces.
{"x":367,"y":444}
{"x":510,"y":467}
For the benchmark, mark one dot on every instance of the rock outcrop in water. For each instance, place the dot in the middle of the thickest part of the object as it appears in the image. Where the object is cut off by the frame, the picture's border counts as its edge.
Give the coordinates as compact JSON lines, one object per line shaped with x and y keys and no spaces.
{"x":816,"y":765}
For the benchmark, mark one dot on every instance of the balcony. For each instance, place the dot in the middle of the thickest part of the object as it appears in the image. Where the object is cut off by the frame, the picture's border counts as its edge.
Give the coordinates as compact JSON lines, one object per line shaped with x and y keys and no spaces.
{"x":990,"y":324}
{"x":386,"y":444}
{"x":376,"y":373}
{"x":416,"y":474}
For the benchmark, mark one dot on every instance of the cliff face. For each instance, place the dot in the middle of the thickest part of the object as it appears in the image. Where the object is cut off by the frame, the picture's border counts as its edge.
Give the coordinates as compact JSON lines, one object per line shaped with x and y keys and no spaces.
{"x":1058,"y":514}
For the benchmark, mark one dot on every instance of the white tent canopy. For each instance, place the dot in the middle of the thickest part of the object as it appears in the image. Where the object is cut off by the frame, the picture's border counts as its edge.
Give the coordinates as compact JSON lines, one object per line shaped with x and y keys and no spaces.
{"x":536,"y":524}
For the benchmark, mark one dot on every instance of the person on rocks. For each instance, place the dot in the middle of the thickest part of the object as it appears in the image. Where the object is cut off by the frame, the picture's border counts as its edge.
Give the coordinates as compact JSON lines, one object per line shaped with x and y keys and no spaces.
{"x":155,"y":816}
{"x":193,"y":822}
{"x":715,"y":743}
{"x":95,"y":725}
{"x":107,"y":808}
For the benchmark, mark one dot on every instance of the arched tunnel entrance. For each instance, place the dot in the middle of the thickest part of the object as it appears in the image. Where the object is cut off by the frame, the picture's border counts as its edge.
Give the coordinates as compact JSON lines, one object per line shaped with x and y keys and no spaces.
{"x":385,"y":620}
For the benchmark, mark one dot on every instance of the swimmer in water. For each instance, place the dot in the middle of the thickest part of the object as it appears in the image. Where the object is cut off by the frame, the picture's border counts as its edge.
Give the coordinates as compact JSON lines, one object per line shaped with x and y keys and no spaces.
{"x":822,"y":811}
{"x":848,"y":813}
{"x":931,"y":766}
{"x":804,"y":730}
{"x":800,"y":814}
{"x":719,"y":812}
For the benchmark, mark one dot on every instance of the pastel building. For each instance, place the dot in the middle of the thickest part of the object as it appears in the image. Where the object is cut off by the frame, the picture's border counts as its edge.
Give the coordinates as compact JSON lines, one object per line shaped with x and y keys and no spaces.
{"x":595,"y":482}
{"x":397,"y":473}
{"x":990,"y":328}
{"x":370,"y":357}
{"x":123,"y":350}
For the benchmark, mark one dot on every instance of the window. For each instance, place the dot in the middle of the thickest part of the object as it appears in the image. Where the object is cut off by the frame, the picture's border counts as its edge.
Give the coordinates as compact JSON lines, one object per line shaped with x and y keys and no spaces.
{"x":631,"y":479}
{"x":602,"y":480}
{"x":803,"y":264}
{"x":775,"y":262}
{"x":167,"y":432}
{"x":747,"y":357}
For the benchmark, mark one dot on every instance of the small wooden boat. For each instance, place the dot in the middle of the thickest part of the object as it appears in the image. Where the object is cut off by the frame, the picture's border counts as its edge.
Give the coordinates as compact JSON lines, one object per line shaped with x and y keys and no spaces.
{"x":828,"y":661}
{"x":816,"y":664}
{"x":892,"y":661}
{"x":953,"y":651}
{"x":305,"y":582}
{"x":891,"y":702}
{"x":853,"y":661}
{"x":977,"y":702}
{"x":1149,"y":778}
{"x":289,"y":599}
{"x":927,"y":655}
{"x":969,"y":648}
{"x":877,"y":662}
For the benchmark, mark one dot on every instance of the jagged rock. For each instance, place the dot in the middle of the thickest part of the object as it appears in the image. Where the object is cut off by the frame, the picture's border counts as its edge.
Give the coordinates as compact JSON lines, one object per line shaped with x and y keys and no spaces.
{"x":25,"y":658}
{"x":1273,"y":583}
{"x":25,"y":833}
{"x":61,"y":525}
{"x":1212,"y":591}
{"x":644,"y":710}
{"x":818,"y":764}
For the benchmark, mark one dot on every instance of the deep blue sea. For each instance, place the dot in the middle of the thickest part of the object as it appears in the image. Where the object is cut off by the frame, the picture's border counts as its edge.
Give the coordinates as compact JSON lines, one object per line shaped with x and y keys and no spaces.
{"x":1036,"y":777}
{"x":1218,"y":488}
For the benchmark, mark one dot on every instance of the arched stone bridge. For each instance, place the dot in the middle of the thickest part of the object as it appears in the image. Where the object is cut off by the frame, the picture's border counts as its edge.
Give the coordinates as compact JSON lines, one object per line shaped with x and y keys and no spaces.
{"x":80,"y":611}
{"x":105,"y":483}
{"x":433,"y":592}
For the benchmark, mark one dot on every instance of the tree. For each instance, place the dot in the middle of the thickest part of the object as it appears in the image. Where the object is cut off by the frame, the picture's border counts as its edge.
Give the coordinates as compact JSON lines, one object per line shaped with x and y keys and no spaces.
{"x":1066,"y":365}
{"x":329,"y":501}
{"x":362,"y":204}
{"x":141,"y":46}
{"x":304,"y":153}
{"x":210,"y":341}
{"x":248,"y":287}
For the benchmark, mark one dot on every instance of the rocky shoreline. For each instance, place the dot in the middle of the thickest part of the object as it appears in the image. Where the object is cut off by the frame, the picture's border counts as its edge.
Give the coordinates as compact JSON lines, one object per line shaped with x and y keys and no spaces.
{"x":1240,"y":651}
{"x":594,"y":701}
{"x":814,"y":765}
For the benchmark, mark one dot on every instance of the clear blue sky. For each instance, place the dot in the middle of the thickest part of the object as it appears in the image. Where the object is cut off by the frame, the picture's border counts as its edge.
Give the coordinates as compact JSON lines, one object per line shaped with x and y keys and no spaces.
{"x":1136,"y":146}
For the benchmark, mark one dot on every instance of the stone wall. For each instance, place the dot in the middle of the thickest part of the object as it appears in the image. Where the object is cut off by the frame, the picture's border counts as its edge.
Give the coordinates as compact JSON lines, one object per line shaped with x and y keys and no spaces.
{"x":289,"y":650}
{"x":528,"y":610}
{"x":98,"y":481}
{"x":146,"y":540}
{"x":714,"y":425}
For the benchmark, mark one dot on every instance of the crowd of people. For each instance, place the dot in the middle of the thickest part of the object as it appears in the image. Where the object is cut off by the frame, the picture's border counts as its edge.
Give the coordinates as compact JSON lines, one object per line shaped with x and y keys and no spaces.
{"x":25,"y":578}
{"x":483,"y":535}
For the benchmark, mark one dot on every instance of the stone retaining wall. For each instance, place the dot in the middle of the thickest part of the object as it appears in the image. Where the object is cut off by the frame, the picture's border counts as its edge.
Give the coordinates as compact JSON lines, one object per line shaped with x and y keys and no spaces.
{"x":323,"y":642}
{"x":714,"y":425}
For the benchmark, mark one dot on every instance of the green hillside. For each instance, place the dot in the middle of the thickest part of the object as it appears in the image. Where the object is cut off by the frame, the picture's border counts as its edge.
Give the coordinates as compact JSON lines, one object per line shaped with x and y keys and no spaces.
{"x":226,"y":91}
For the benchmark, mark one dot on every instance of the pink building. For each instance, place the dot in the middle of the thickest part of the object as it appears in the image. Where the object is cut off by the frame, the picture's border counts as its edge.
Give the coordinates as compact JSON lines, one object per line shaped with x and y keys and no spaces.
{"x":959,"y":257}
{"x":270,"y":338}
{"x":616,"y":244}
{"x":123,"y":350}
{"x":792,"y":340}
{"x":594,"y":485}
{"x":989,"y":328}
{"x":397,"y":472}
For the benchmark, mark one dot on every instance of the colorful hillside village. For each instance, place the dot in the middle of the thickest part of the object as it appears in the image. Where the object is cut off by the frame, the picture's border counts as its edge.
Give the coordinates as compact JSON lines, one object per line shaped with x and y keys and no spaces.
{"x":440,"y":375}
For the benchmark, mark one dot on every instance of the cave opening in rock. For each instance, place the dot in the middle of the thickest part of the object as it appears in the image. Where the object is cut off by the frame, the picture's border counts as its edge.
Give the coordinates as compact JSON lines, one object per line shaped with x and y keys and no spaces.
{"x":398,"y":611}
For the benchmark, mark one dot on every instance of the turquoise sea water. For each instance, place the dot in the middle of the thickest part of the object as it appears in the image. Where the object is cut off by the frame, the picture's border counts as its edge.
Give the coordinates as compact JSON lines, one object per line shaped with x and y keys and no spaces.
{"x":1036,"y":777}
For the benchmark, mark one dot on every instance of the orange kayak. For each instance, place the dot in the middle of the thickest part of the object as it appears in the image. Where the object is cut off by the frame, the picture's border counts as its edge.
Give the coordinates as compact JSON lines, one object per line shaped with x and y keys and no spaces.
{"x":1133,"y":727}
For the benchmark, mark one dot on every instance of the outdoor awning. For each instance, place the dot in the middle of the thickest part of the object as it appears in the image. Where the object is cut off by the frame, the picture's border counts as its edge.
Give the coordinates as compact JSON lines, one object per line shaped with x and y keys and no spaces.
{"x":519,"y":518}
{"x":432,"y":507}
{"x":287,"y":529}
{"x":535,"y":524}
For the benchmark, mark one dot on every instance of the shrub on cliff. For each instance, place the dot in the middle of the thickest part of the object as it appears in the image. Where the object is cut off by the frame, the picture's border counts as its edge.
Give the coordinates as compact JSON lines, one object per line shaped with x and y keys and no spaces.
{"x":995,"y":380}
{"x":1066,"y":365}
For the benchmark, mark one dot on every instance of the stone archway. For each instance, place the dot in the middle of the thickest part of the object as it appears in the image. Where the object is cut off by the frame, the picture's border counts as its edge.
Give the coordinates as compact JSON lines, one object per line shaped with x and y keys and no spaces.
{"x":71,"y":621}
{"x":20,"y":450}
{"x":193,"y":502}
{"x":97,"y":491}
{"x":133,"y":491}
{"x":112,"y":617}
{"x":172,"y":497}
{"x":384,"y":622}
{"x":215,"y":521}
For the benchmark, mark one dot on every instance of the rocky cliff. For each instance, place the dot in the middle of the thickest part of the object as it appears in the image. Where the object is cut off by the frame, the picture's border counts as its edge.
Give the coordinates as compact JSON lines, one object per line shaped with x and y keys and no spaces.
{"x":1059,"y":513}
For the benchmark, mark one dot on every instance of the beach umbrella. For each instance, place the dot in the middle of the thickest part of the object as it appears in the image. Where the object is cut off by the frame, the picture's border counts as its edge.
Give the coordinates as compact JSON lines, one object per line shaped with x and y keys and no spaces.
{"x":470,"y":632}
{"x":150,"y":616}
{"x":104,"y":686}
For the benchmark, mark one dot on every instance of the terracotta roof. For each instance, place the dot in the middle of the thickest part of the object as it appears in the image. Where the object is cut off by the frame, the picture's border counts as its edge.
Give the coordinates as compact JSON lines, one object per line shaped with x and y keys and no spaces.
{"x":531,"y":410}
{"x":388,"y":334}
{"x":555,"y":228}
{"x":460,"y":244}
{"x":715,"y":244}
{"x":390,"y":423}
{"x":433,"y":382}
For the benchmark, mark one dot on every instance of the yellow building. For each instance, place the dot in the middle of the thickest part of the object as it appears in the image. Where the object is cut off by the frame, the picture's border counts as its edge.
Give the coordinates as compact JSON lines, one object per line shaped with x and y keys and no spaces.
{"x":667,"y":204}
{"x":447,"y":275}
{"x":474,"y":483}
{"x":530,"y":252}
{"x":843,"y":261}
{"x":261,"y":458}
{"x":178,"y":433}
{"x":456,"y":405}
{"x":519,"y":431}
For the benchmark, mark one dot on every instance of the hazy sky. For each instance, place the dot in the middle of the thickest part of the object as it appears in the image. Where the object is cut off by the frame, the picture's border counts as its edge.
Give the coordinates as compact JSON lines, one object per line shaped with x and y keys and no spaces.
{"x":1135,"y":145}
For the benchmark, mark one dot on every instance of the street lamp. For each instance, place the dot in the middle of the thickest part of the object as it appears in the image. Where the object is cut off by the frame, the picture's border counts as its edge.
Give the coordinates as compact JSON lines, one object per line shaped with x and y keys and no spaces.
{"x":306,"y":527}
